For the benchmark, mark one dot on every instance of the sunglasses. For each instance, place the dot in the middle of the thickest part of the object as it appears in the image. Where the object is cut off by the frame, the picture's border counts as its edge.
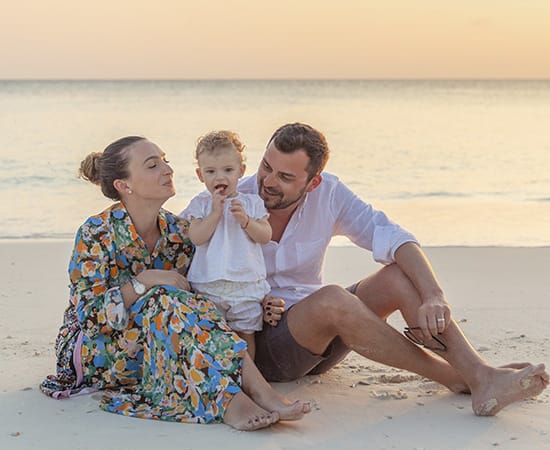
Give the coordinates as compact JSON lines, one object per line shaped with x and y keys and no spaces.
{"x":410,"y":334}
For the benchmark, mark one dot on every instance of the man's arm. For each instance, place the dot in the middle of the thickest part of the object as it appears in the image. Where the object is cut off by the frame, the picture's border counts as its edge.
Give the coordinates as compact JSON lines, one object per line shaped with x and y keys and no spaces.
{"x":413,"y":261}
{"x":364,"y":225}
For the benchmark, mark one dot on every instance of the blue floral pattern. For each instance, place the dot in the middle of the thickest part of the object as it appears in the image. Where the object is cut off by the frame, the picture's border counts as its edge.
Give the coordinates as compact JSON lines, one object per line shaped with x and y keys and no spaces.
{"x":170,"y":356}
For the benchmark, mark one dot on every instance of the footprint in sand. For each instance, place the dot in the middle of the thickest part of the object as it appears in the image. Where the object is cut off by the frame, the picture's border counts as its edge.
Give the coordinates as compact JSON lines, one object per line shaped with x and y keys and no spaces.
{"x":389,"y":395}
{"x":390,"y":379}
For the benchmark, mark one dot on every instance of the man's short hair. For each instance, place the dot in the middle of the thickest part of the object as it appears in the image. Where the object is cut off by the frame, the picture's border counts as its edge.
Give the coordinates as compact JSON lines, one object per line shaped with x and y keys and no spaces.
{"x":299,"y":136}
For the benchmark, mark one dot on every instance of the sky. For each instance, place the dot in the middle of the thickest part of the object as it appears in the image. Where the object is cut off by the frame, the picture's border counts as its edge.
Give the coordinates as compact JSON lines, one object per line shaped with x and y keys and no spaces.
{"x":282,"y":39}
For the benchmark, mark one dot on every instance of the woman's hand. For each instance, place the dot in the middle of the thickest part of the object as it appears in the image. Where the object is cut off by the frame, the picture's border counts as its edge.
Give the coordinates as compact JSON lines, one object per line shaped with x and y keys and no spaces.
{"x":156,"y":277}
{"x":274,"y":307}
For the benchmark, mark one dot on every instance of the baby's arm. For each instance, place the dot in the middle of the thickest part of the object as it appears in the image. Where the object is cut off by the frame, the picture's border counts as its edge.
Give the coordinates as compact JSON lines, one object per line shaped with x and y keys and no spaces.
{"x":258,"y":230}
{"x":201,"y":230}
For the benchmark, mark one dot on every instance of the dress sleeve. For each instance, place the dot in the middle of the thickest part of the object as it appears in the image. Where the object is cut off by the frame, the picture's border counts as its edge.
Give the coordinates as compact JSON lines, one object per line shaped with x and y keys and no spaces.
{"x":92,"y":272}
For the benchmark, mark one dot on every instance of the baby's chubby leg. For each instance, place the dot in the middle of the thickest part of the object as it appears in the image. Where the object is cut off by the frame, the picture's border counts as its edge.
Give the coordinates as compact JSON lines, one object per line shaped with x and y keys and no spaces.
{"x":245,"y":317}
{"x":249,"y":338}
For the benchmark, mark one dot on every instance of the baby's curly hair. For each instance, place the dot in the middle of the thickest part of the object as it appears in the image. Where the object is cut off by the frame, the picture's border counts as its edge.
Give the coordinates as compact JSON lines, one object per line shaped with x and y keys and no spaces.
{"x":217,"y":140}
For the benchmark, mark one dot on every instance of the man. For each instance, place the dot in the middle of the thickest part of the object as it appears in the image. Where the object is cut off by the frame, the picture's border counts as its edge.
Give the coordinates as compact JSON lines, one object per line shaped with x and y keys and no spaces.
{"x":311,"y":327}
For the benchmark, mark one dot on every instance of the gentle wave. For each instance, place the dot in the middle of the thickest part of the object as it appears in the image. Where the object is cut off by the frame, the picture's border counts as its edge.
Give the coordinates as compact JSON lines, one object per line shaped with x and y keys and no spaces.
{"x":36,"y":181}
{"x":456,"y":162}
{"x":37,"y":236}
{"x":500,"y":195}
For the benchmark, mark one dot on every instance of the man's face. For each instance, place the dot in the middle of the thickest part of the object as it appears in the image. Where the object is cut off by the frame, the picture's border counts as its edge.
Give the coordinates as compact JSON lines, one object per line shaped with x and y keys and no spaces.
{"x":283,"y":178}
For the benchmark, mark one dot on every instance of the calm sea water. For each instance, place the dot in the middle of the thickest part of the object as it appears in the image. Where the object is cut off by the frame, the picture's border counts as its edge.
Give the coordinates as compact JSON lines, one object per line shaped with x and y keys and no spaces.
{"x":456,"y":162}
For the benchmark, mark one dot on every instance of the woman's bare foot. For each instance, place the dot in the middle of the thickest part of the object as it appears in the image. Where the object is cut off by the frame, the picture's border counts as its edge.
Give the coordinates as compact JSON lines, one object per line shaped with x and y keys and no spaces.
{"x":293,"y":411}
{"x":261,"y":392}
{"x":287,"y":410}
{"x":245,"y":415}
{"x":505,"y":385}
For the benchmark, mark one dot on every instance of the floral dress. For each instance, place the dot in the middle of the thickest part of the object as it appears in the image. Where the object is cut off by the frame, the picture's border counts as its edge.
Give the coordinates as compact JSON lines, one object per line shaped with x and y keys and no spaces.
{"x":170,"y":356}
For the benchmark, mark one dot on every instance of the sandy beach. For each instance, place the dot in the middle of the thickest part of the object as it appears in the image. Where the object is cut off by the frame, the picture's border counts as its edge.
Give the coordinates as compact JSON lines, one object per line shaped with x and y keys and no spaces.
{"x":500,"y":296}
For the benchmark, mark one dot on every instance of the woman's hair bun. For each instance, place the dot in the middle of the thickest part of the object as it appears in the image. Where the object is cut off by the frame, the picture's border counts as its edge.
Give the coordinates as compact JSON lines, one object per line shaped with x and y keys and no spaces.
{"x":89,"y":168}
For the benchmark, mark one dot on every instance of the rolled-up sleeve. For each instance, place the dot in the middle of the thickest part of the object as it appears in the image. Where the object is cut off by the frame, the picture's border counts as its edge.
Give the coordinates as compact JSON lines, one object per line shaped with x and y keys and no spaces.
{"x":387,"y":239}
{"x":367,"y":227}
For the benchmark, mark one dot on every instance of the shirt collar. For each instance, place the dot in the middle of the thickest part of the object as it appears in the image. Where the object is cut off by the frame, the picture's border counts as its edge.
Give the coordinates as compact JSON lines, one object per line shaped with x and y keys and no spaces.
{"x":125,"y":230}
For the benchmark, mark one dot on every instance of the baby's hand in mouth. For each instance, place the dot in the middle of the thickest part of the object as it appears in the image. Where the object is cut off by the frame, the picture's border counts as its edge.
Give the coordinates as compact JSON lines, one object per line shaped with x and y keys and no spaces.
{"x":220,"y":188}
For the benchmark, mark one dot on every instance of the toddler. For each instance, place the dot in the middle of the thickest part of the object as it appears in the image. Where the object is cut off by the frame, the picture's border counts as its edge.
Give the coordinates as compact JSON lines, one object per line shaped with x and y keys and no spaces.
{"x":228,"y":228}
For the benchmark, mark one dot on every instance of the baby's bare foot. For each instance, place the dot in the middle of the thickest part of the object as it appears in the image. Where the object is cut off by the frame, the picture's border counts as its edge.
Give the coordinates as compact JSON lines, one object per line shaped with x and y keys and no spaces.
{"x":509,"y":384}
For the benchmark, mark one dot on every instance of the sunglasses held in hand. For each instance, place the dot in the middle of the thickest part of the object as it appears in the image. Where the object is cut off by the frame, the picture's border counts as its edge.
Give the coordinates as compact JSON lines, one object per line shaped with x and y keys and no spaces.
{"x":439,"y":346}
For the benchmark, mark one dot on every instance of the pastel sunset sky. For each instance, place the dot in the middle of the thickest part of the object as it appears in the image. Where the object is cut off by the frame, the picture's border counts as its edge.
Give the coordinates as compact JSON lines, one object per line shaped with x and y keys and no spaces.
{"x":288,"y":39}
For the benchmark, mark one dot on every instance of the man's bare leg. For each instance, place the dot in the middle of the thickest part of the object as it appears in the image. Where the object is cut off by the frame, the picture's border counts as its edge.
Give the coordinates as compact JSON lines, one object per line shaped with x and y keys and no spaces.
{"x":332,"y":312}
{"x":492,"y":388}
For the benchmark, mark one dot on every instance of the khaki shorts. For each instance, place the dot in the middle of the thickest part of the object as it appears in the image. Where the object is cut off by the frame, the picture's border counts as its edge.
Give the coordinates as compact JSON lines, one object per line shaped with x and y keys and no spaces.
{"x":280,"y":358}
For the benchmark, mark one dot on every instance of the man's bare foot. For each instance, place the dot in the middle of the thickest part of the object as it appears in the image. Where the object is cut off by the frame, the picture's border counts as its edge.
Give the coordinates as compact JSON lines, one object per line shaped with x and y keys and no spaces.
{"x":459,"y":388}
{"x":505,"y":385}
{"x":245,"y":415}
{"x":463,"y":388}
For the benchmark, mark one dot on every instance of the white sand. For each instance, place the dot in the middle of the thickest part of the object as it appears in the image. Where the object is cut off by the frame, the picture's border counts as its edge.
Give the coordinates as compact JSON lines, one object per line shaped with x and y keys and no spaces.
{"x":501,"y":297}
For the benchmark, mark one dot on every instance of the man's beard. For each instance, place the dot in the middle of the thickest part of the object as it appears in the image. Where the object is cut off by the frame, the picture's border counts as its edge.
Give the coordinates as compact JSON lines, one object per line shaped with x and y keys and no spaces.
{"x":276,"y":199}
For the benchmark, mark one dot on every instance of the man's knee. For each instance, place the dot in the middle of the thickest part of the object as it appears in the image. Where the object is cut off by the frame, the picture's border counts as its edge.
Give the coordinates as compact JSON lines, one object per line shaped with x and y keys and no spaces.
{"x":395,"y":280}
{"x":331,"y":294}
{"x":337,"y":303}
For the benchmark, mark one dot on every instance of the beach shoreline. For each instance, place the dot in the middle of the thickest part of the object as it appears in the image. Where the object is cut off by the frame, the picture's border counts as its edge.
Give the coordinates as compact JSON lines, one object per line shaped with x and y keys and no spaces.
{"x":499,"y":295}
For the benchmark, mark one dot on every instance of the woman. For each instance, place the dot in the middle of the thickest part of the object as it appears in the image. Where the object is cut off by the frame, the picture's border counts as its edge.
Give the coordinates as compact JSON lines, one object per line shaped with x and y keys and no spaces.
{"x":132,"y":326}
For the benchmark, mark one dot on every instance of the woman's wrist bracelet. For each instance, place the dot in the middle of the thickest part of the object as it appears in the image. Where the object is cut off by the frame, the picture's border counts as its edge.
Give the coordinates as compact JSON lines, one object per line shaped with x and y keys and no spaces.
{"x":247,"y":222}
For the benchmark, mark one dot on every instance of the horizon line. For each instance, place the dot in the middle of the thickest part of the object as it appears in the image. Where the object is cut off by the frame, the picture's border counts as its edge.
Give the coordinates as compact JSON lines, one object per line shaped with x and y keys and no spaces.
{"x":280,"y":79}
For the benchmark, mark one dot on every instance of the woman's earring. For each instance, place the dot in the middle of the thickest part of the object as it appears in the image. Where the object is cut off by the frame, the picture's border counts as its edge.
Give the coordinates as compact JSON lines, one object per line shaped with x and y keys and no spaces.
{"x":129,"y":191}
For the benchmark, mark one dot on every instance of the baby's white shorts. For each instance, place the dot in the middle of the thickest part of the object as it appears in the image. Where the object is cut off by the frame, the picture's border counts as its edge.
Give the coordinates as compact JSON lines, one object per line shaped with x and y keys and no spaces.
{"x":240,"y":302}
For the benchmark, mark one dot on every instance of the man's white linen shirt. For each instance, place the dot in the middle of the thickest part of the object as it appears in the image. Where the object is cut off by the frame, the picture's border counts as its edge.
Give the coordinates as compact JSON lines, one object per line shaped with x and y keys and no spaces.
{"x":230,"y":254}
{"x":295,"y":263}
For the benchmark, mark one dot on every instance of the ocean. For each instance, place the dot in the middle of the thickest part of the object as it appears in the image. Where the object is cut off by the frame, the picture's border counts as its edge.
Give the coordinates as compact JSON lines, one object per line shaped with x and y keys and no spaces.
{"x":458,"y":163}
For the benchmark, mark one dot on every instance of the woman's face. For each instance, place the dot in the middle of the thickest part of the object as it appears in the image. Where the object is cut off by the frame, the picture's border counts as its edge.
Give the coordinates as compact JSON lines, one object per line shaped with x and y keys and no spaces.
{"x":150,"y":174}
